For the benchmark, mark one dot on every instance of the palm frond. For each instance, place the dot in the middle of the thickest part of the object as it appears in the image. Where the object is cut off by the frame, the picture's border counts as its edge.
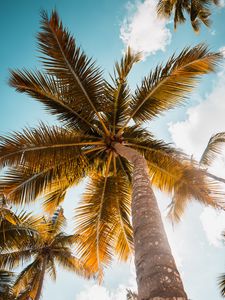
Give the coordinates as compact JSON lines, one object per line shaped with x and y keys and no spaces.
{"x":94,"y":221}
{"x":103,"y":221}
{"x":212,"y":149}
{"x":24,"y":184}
{"x":12,"y":259}
{"x":118,"y":93}
{"x":64,"y":60}
{"x":69,"y":262}
{"x":50,"y":92}
{"x":25,"y":277}
{"x":167,"y":86}
{"x":194,"y":184}
{"x":221,"y":283}
{"x":42,"y":146}
{"x":54,"y":198}
{"x":6,"y":282}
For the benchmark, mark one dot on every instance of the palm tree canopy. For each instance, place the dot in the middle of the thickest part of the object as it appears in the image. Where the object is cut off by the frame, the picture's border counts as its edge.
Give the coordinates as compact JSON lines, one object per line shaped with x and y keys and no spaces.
{"x":50,"y":246}
{"x":47,"y":160}
{"x":198,"y":11}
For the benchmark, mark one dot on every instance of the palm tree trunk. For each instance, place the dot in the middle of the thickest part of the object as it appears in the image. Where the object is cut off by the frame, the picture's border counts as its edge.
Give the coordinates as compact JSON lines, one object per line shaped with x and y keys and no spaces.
{"x":156,"y":271}
{"x":41,"y":279}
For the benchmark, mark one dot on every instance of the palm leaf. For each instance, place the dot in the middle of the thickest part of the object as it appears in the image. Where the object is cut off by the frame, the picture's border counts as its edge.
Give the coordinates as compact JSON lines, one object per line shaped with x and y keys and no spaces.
{"x":118,"y":93}
{"x":103,"y":221}
{"x":12,"y":259}
{"x":69,"y":262}
{"x":6,"y":282}
{"x":212,"y":149}
{"x":42,"y":146}
{"x":26,"y":276}
{"x":167,"y":86}
{"x":221,"y":283}
{"x":50,"y":91}
{"x":24,"y":185}
{"x":54,"y":198}
{"x":63,"y":59}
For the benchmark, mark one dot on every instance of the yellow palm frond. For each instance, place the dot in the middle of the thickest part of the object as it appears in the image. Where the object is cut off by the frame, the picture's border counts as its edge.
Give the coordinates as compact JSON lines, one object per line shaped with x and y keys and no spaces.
{"x":118,"y":94}
{"x":72,"y":67}
{"x":169,"y":85}
{"x":69,"y":262}
{"x":42,"y":146}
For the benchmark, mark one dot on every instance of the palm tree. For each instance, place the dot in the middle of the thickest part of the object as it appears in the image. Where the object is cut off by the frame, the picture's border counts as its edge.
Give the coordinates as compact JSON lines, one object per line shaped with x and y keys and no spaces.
{"x":50,"y":246}
{"x":198,"y":11}
{"x":213,"y":149}
{"x":98,"y":141}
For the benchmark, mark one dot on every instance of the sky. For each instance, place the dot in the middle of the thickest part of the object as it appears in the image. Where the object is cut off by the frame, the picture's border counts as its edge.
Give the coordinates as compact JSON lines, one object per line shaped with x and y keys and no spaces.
{"x":104,"y":28}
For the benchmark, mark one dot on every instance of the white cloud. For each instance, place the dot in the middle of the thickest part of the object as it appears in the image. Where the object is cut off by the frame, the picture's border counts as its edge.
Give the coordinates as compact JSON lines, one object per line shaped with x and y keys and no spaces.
{"x":94,"y":291}
{"x":142,"y":30}
{"x":213,"y":223}
{"x":202,"y":121}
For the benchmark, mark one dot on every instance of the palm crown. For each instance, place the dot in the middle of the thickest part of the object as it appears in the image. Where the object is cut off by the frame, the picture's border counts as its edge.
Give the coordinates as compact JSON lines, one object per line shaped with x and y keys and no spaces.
{"x":95,"y":115}
{"x":198,"y":10}
{"x":49,"y":246}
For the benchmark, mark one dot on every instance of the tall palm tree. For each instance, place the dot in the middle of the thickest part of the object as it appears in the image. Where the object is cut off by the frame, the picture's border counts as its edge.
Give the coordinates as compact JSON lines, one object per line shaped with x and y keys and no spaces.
{"x":48,"y":247}
{"x":198,"y":11}
{"x":98,"y":141}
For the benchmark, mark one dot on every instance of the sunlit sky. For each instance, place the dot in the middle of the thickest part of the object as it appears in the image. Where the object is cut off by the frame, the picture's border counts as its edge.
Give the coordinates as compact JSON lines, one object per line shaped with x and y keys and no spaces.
{"x":104,"y":28}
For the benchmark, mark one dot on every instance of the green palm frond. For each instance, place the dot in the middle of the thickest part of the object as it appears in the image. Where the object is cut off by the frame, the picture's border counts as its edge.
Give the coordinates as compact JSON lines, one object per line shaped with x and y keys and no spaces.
{"x":168,"y":86}
{"x":63,"y":59}
{"x":212,"y":149}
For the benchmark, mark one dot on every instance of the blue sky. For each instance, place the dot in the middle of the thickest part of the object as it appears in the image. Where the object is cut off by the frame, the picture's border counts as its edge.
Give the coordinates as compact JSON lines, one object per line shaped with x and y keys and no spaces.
{"x":98,"y":27}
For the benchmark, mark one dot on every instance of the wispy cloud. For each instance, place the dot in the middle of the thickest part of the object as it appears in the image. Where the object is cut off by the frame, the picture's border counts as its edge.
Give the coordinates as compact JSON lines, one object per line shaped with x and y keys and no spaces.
{"x":142,"y":30}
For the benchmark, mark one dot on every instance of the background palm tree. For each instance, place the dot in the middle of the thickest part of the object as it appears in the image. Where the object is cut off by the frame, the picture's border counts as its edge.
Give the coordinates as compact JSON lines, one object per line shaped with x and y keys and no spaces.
{"x":98,"y":141}
{"x":48,"y":247}
{"x":199,"y":11}
{"x":212,"y":150}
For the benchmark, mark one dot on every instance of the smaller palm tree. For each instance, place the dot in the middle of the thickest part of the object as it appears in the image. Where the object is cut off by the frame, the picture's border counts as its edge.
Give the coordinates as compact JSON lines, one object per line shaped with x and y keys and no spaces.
{"x":198,"y":10}
{"x":48,"y":247}
{"x":213,"y":149}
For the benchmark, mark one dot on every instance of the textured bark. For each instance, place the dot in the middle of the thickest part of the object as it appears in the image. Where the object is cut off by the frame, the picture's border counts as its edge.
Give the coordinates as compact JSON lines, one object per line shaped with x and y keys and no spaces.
{"x":156,"y":271}
{"x":41,"y":279}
